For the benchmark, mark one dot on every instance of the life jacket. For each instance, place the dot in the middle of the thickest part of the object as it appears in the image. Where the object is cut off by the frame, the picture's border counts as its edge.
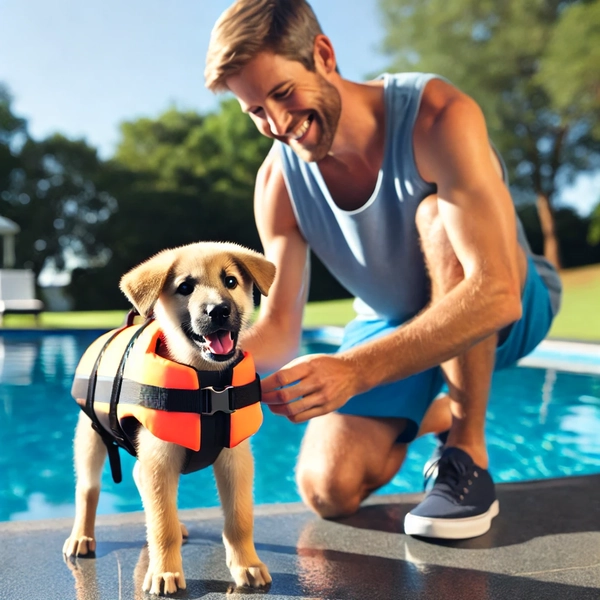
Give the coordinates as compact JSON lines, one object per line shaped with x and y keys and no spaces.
{"x":121,"y":383}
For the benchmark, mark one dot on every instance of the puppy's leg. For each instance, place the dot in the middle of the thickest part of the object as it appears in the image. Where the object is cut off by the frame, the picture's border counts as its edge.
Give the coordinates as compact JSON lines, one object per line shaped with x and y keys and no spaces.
{"x":234,"y":474}
{"x":138,"y":482}
{"x":90,"y":454}
{"x":159,"y":468}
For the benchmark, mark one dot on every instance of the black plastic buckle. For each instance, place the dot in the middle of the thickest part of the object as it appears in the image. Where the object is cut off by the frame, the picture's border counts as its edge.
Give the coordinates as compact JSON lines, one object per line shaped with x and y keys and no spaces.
{"x":215,"y":400}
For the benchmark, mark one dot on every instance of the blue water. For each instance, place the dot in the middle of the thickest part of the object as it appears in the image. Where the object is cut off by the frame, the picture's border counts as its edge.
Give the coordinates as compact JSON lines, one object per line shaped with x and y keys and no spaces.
{"x":541,"y":423}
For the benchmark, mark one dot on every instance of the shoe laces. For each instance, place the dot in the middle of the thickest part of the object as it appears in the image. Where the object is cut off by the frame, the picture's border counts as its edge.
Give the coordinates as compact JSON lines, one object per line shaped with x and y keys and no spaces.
{"x":451,"y":473}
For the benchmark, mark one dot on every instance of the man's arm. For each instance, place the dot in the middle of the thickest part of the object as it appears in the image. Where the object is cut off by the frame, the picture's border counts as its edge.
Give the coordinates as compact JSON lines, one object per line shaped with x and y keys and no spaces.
{"x":275,"y":337}
{"x":452,"y":150}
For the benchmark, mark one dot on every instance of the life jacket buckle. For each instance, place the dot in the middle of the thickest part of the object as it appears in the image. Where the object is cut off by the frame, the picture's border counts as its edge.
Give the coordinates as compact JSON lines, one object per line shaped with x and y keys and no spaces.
{"x":215,"y":400}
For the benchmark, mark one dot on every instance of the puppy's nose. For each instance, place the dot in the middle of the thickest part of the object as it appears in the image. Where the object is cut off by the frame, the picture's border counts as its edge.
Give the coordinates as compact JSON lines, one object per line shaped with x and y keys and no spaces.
{"x":218,"y":313}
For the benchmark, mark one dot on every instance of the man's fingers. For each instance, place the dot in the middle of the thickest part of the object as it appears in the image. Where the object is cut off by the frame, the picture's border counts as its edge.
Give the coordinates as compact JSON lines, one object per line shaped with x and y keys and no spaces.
{"x":287,"y":375}
{"x":283,"y":395}
{"x":296,"y":386}
{"x":306,"y":415}
{"x":293,"y":409}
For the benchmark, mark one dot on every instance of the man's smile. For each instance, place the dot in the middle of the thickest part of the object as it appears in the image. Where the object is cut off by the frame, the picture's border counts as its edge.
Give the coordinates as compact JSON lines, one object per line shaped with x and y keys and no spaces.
{"x":302,"y":130}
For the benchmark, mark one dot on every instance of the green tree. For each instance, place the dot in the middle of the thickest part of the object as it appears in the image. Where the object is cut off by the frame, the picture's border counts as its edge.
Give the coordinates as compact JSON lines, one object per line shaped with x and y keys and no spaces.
{"x":177,"y":179}
{"x":569,"y":69}
{"x":494,"y":51}
{"x":53,"y":195}
{"x":13,"y":132}
{"x":178,"y":149}
{"x":209,"y":162}
{"x":594,"y":233}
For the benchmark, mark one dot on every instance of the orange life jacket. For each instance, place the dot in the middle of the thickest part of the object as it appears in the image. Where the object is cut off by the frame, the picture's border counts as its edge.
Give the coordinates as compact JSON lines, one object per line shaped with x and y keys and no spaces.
{"x":121,"y":383}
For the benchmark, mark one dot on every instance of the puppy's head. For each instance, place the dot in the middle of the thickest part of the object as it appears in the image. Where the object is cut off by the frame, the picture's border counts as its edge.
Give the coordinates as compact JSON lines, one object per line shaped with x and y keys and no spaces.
{"x":201,"y":295}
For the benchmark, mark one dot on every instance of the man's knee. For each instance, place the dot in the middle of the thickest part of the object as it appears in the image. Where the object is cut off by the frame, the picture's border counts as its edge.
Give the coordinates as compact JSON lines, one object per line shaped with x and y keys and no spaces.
{"x":329,"y":493}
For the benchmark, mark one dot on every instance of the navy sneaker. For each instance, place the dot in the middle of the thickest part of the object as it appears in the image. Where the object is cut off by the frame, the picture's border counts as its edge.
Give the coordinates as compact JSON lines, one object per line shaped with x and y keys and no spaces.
{"x":430,"y":470}
{"x":461,"y":504}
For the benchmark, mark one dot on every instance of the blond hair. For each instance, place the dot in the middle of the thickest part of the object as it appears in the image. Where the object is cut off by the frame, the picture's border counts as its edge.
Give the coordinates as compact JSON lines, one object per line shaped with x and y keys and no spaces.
{"x":248,"y":27}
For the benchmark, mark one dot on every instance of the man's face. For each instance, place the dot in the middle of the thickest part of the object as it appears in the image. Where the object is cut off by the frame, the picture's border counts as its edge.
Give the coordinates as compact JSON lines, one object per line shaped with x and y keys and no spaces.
{"x":289,"y":103}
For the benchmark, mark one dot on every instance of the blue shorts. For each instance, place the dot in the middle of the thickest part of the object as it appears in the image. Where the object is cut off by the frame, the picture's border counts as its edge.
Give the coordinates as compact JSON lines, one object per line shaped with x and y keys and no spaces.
{"x":410,"y":398}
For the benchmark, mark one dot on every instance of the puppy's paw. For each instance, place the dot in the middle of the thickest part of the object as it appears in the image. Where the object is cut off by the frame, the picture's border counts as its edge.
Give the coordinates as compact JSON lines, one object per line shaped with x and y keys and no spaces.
{"x":256,"y":576}
{"x":165,"y":582}
{"x":80,"y":546}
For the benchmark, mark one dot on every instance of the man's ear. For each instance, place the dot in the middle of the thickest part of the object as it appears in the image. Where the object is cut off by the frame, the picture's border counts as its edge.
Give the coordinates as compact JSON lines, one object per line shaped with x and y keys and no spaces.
{"x":144,"y":283}
{"x":324,"y":55}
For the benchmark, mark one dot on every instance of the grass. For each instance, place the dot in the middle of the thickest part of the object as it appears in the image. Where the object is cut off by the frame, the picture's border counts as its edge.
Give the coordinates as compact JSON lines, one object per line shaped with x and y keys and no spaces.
{"x":578,"y":319}
{"x":108,"y":319}
{"x":579,"y":316}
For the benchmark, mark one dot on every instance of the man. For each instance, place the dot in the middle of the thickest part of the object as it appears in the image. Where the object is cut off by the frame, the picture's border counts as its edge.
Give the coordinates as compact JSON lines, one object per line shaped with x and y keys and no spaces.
{"x":395,"y":186}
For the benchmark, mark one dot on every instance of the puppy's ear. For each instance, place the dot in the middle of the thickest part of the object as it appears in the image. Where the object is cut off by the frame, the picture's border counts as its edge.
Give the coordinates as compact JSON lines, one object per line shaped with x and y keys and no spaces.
{"x":144,"y":283}
{"x":260,"y":270}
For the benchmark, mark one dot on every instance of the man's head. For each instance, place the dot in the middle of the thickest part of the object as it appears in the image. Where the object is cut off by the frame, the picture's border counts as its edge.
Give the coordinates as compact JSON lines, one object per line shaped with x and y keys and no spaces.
{"x":273,"y":56}
{"x":248,"y":27}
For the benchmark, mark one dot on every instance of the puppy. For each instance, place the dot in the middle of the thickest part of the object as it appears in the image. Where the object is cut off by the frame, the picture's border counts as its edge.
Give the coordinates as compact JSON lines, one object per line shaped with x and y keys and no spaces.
{"x":201,"y":297}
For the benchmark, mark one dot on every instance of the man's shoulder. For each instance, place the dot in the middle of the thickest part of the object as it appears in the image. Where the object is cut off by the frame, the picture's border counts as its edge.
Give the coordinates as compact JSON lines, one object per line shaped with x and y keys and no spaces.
{"x":271,"y":167}
{"x":448,"y":122}
{"x":270,"y":180}
{"x":433,"y":92}
{"x":442,"y":102}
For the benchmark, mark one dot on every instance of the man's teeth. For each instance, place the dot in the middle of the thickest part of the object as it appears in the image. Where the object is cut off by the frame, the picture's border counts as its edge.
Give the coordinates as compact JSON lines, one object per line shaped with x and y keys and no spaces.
{"x":301,"y":130}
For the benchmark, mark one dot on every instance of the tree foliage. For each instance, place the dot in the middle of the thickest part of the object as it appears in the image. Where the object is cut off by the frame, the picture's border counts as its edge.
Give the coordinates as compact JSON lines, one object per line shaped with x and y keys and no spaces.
{"x":13,"y":130}
{"x":569,"y":69}
{"x":594,"y":231}
{"x":178,"y":179}
{"x":198,"y":171}
{"x":53,"y":195}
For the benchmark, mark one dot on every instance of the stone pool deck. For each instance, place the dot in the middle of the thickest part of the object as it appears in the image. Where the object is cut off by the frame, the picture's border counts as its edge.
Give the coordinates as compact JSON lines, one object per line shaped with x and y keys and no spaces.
{"x":545,"y":544}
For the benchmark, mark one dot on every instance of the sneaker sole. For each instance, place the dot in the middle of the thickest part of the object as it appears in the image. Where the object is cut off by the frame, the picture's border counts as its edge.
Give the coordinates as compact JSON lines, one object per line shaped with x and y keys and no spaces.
{"x":451,"y":529}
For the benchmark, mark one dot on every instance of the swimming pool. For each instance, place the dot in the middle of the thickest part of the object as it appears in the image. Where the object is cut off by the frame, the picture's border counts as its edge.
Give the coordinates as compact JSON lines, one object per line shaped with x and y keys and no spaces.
{"x":542,"y":422}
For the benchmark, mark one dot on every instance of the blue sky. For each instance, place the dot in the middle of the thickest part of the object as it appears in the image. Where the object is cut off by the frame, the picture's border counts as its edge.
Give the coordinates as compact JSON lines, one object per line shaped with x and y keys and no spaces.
{"x":81,"y":67}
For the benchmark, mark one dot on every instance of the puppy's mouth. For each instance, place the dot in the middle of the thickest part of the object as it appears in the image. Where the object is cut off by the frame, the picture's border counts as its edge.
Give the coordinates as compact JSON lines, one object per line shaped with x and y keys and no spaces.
{"x":219,"y":345}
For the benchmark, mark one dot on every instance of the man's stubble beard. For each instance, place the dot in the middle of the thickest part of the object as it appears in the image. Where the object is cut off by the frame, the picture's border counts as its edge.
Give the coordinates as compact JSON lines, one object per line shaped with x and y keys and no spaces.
{"x":326,"y":118}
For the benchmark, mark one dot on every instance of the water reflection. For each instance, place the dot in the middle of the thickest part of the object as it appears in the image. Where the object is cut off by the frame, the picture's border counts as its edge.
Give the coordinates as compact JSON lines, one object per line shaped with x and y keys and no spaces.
{"x":17,"y":360}
{"x":37,"y":421}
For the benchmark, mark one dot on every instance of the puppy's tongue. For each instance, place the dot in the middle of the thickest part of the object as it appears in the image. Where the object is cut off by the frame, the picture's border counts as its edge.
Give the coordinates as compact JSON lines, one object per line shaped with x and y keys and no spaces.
{"x":219,"y":342}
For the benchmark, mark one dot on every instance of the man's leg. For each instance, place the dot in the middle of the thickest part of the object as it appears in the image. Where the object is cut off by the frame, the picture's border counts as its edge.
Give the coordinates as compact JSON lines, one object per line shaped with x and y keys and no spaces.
{"x":447,"y":511}
{"x":469,"y":375}
{"x":344,"y":458}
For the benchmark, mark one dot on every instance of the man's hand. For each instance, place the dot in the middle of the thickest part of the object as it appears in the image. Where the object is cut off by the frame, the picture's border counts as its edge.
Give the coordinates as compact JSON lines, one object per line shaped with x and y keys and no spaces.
{"x":310,"y":386}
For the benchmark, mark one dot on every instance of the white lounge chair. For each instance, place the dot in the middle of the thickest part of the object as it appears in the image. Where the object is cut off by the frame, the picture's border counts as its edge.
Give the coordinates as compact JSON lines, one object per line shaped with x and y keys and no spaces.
{"x":17,"y":293}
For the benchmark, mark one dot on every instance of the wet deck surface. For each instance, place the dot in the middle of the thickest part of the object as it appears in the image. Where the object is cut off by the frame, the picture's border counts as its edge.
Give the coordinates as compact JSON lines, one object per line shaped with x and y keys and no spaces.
{"x":544,"y":544}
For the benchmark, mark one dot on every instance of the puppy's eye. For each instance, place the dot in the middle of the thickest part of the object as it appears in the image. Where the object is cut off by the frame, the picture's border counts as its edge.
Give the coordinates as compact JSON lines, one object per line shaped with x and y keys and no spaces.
{"x":185,"y":288}
{"x":230,"y":282}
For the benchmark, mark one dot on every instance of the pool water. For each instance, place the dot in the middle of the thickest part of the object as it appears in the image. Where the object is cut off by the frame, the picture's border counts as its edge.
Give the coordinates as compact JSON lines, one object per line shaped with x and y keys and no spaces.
{"x":541,"y":423}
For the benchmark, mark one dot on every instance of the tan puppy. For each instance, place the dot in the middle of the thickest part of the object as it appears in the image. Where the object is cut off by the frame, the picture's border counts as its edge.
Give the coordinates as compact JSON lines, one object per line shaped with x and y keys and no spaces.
{"x":201,"y":296}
